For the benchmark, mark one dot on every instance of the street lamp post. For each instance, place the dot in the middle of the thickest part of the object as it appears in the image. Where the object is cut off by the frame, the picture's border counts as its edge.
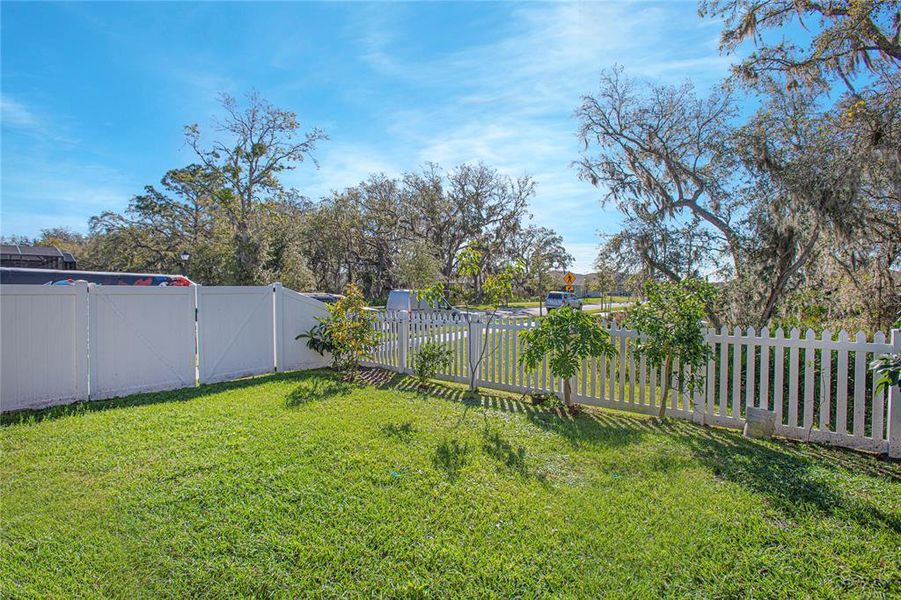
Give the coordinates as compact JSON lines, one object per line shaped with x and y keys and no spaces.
{"x":185,"y":256}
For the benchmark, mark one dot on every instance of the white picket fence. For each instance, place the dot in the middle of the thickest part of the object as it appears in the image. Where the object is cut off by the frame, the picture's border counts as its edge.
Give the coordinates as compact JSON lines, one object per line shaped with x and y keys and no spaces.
{"x":819,"y":388}
{"x":60,"y":344}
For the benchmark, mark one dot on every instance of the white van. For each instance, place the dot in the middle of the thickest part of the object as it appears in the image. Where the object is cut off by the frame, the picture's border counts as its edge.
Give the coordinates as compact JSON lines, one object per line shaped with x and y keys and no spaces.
{"x":409,"y":300}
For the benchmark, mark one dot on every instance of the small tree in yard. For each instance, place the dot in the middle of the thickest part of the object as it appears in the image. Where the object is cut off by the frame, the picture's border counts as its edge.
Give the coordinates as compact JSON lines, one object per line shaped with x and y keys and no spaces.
{"x":348,"y":332}
{"x":430,"y":358}
{"x":566,"y":337}
{"x":671,"y":318}
{"x":497,"y":287}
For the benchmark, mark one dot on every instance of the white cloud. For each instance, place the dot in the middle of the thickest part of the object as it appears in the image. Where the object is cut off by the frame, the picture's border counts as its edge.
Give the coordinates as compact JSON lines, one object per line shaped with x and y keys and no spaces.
{"x":510,"y":102}
{"x":16,"y":116}
{"x":342,"y":165}
{"x":48,"y":192}
{"x":584,"y":255}
{"x":60,"y":193}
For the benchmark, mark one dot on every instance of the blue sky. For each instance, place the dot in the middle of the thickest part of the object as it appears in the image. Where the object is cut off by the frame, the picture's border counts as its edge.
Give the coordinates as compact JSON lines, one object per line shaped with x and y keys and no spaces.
{"x":95,"y":96}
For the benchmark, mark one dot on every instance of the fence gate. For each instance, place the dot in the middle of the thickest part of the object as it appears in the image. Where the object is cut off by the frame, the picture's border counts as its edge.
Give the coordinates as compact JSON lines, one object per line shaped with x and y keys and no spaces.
{"x":141,"y":339}
{"x":236,"y":331}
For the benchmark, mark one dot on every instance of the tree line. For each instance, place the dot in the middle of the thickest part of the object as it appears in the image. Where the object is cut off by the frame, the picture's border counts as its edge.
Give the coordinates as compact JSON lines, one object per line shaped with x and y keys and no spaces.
{"x":795,"y":209}
{"x":242,"y":226}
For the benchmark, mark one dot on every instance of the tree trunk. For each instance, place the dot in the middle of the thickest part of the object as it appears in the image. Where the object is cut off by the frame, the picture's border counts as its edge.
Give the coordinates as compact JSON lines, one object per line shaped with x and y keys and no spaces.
{"x":567,"y":393}
{"x":777,"y":291}
{"x":667,"y":368}
{"x":247,"y":257}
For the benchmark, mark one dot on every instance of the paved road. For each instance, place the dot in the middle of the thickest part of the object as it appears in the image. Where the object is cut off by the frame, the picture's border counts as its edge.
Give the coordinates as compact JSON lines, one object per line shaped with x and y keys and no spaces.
{"x":533,"y":310}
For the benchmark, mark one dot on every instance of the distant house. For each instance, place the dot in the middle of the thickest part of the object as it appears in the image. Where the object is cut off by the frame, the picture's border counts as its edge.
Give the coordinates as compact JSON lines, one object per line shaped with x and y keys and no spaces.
{"x":578,"y":284}
{"x":36,"y":257}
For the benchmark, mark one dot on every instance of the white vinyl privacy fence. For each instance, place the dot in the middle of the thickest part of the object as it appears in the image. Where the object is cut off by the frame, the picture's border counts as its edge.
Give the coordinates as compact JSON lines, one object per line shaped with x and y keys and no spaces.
{"x":60,"y":344}
{"x":820,"y":388}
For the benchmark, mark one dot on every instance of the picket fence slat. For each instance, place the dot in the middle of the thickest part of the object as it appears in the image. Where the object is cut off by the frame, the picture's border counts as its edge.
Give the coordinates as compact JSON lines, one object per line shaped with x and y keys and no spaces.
{"x":809,"y":367}
{"x":793,"y":381}
{"x":750,"y":386}
{"x":878,"y":402}
{"x":778,"y":376}
{"x":622,"y":366}
{"x":826,"y":385}
{"x":724,"y":371}
{"x":736,"y":374}
{"x":763,"y":399}
{"x":859,"y":386}
{"x":711,"y":376}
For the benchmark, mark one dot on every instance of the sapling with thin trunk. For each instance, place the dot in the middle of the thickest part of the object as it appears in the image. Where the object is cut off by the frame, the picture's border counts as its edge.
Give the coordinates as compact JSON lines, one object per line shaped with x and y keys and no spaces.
{"x":670,"y":322}
{"x":566,"y":337}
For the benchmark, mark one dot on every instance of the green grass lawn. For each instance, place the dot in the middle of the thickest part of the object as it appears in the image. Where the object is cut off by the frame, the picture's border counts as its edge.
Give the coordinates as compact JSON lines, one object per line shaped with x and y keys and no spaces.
{"x":297,"y":484}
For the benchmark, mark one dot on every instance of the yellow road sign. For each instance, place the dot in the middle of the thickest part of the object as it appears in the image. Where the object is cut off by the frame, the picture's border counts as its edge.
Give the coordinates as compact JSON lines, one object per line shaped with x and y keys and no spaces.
{"x":569,"y":278}
{"x":567,"y":288}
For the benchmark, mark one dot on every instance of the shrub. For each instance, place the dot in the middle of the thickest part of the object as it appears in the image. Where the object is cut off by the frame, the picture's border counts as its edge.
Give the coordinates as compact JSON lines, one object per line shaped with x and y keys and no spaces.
{"x":429,"y":360}
{"x":348,"y":332}
{"x":888,"y":367}
{"x":318,"y":339}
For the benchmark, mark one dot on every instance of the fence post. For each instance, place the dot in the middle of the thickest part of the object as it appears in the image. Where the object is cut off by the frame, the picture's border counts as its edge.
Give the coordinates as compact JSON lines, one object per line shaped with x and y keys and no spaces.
{"x":92,"y":342}
{"x":475,"y":345}
{"x":894,"y":406}
{"x":277,"y":342}
{"x":82,"y":340}
{"x":403,"y":341}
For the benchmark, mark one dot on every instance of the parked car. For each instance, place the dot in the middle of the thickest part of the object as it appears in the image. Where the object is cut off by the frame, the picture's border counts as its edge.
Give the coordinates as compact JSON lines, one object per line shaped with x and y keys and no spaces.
{"x":409,"y":300}
{"x":559,"y":299}
{"x":323,"y":296}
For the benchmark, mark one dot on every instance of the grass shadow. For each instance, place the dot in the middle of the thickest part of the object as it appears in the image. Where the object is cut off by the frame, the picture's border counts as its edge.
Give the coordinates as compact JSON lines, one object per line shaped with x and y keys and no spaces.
{"x":458,"y":394}
{"x":593,"y":427}
{"x":150,"y":398}
{"x":379,"y":378}
{"x":786,"y":473}
{"x":590,"y":426}
{"x":313,"y":390}
{"x":405,"y":432}
{"x":451,"y":456}
{"x":495,"y":446}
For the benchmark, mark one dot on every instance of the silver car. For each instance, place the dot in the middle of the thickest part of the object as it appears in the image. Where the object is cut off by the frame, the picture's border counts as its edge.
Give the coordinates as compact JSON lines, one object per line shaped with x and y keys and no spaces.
{"x":558,"y":299}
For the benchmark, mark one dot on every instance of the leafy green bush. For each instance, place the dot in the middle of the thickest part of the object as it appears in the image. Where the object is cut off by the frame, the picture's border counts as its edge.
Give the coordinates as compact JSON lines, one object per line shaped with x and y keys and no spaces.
{"x":429,"y":360}
{"x":318,"y":339}
{"x":888,"y":366}
{"x":348,"y":333}
{"x":566,"y":337}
